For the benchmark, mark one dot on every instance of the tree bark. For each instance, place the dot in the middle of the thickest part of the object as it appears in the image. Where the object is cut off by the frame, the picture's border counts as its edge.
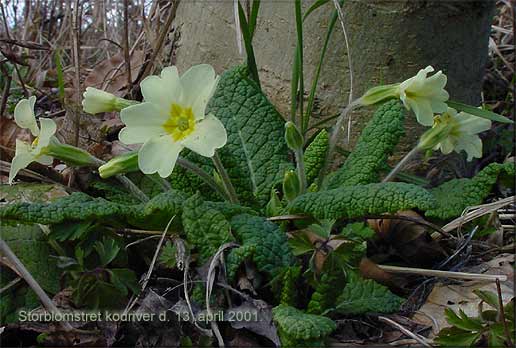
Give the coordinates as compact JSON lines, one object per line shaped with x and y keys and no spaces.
{"x":390,"y":41}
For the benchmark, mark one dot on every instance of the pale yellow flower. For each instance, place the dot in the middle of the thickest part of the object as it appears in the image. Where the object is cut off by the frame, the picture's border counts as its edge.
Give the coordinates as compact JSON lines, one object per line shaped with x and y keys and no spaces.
{"x":96,"y":101}
{"x":37,"y":151}
{"x":172,"y":117}
{"x":457,"y":132}
{"x":424,"y":95}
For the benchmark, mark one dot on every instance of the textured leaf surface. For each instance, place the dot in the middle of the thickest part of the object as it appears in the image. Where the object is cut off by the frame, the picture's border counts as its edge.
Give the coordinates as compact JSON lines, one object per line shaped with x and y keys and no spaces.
{"x":356,"y":201}
{"x":79,"y":207}
{"x":326,"y":293}
{"x":364,"y":296}
{"x":206,"y":228}
{"x":376,"y":142}
{"x":289,"y":289}
{"x":301,"y":326}
{"x":315,"y":154}
{"x":30,"y":245}
{"x":456,"y":195}
{"x":271,"y":251}
{"x":255,"y":155}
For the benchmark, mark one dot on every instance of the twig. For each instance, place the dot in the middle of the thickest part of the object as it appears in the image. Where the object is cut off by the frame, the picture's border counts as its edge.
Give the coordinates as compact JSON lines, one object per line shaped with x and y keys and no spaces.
{"x":187,"y":299}
{"x":77,"y":66}
{"x":350,"y":61}
{"x":406,"y":331}
{"x":126,"y":46}
{"x":5,"y":93}
{"x":401,"y":164}
{"x":502,"y":313}
{"x":442,"y":274}
{"x":151,"y":266}
{"x":25,"y":274}
{"x":286,"y":217}
{"x":163,"y":34}
{"x":10,"y":285}
{"x":210,"y":279}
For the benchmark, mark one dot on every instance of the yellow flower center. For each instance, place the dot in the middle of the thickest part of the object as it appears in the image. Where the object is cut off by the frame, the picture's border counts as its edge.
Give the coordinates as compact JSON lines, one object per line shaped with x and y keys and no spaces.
{"x":34,"y":143}
{"x":180,"y":123}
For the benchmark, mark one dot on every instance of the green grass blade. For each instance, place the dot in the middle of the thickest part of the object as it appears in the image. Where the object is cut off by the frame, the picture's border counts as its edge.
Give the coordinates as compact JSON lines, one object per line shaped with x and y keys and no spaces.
{"x":315,"y":6}
{"x":253,"y":16}
{"x":294,"y":84}
{"x":60,"y":75}
{"x":251,"y":61}
{"x":478,"y":112}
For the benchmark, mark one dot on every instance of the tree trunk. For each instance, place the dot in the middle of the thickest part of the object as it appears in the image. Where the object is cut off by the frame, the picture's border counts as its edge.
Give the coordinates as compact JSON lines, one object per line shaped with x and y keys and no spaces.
{"x":390,"y":41}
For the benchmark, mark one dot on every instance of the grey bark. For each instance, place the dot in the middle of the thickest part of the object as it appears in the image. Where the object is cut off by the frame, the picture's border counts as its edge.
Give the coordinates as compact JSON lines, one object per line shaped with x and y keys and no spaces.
{"x":390,"y":41}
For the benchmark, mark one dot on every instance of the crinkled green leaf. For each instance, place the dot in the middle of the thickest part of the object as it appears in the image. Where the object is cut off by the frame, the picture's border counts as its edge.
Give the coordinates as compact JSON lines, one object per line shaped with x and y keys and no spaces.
{"x":357,"y":201}
{"x":299,"y":326}
{"x":237,"y":256}
{"x":206,"y":228}
{"x":289,"y":288}
{"x":81,"y":207}
{"x":365,"y":296}
{"x":315,"y":155}
{"x":271,"y":251}
{"x":255,"y":155}
{"x":29,"y":243}
{"x":456,"y":195}
{"x":326,"y":292}
{"x":376,"y":142}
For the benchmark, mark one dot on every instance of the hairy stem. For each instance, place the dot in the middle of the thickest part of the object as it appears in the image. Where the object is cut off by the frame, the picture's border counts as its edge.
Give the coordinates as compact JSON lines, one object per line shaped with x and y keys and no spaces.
{"x":228,"y":186}
{"x":401,"y":164}
{"x":128,"y":184}
{"x":203,"y":175}
{"x":334,"y":138}
{"x":301,"y":169}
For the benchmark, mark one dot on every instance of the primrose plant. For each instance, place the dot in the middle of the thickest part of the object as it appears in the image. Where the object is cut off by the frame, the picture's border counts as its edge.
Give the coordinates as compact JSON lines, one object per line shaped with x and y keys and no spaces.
{"x":226,"y":182}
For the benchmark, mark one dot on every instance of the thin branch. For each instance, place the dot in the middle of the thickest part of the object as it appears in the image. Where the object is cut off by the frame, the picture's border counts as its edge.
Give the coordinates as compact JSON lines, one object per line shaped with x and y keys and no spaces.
{"x":502,"y":313}
{"x":25,"y":274}
{"x":442,"y":274}
{"x":406,"y":331}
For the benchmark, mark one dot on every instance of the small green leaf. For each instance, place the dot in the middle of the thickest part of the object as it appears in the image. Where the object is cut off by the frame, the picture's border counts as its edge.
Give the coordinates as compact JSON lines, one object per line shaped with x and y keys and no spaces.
{"x":488,"y":297}
{"x":478,"y":112}
{"x":454,"y":337}
{"x":123,"y":279}
{"x":300,"y":244}
{"x":364,"y":296}
{"x":107,"y":250}
{"x":462,"y":321}
{"x":167,"y":256}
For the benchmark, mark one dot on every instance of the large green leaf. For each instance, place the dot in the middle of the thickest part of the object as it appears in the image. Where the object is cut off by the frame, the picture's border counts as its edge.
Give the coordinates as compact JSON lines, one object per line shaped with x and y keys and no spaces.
{"x":361,"y":200}
{"x":456,"y":195}
{"x":255,"y":155}
{"x":206,"y":228}
{"x":366,"y":296}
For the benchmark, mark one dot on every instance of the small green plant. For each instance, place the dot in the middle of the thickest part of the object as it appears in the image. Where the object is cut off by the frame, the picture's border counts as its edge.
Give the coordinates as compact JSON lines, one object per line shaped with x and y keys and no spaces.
{"x":494,"y":327}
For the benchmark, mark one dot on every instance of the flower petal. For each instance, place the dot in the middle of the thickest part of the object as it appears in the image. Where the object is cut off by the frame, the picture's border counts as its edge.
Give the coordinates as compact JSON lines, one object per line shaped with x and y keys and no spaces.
{"x":472,"y":124}
{"x":162,"y":91}
{"x":472,"y":145}
{"x":159,"y":154}
{"x":198,"y":83}
{"x":45,"y":160}
{"x":422,"y":109}
{"x":209,"y":134}
{"x":143,"y":121}
{"x":48,"y":129}
{"x":22,"y":147}
{"x":24,"y":115}
{"x":20,"y":161}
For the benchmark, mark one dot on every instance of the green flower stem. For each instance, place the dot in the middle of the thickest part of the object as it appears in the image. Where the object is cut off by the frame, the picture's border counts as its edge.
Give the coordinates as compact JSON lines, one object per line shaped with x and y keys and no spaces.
{"x":203,"y":175}
{"x":128,"y":184}
{"x":401,"y":164}
{"x":334,"y":138}
{"x":228,"y":186}
{"x":301,"y":169}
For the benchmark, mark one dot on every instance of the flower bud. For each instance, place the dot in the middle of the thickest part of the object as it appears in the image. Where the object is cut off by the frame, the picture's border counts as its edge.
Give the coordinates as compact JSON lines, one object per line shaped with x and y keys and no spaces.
{"x":96,"y":101}
{"x":71,"y":155}
{"x":125,"y":163}
{"x":274,"y":206}
{"x":379,"y":94}
{"x":291,"y":185}
{"x":293,"y":136}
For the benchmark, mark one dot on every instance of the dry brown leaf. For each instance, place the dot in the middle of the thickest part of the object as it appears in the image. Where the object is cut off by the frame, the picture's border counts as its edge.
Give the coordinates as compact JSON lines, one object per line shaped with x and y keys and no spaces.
{"x":461,"y":296}
{"x":111,"y":74}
